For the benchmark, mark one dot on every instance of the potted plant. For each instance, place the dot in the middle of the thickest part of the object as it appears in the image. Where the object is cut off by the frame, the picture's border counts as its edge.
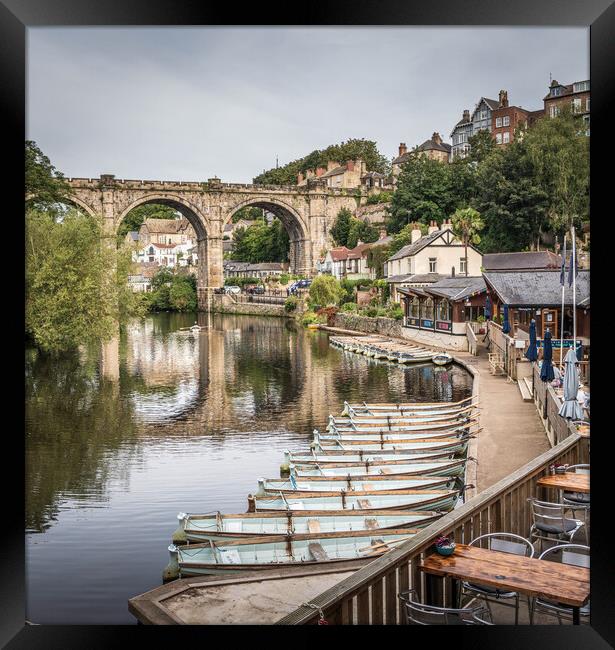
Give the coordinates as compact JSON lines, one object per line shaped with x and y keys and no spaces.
{"x":445,"y":545}
{"x":480,"y":320}
{"x":561,"y":468}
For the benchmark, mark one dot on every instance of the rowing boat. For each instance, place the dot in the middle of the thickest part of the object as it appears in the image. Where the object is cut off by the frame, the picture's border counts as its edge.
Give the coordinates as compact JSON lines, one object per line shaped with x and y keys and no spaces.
{"x":457,"y":445}
{"x":391,"y":468}
{"x":391,"y":435}
{"x":346,"y":458}
{"x":442,"y":358}
{"x":397,"y":500}
{"x":403,"y":417}
{"x":334,"y":485}
{"x":201,"y":528}
{"x":261,"y":552}
{"x":382,"y":408}
{"x":424,"y":428}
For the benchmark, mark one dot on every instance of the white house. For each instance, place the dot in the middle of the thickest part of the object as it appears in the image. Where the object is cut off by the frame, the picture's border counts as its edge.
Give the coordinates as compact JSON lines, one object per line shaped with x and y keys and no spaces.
{"x":429,"y":258}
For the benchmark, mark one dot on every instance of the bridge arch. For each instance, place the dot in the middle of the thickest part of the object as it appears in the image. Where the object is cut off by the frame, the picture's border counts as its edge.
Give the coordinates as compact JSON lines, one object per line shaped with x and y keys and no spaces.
{"x":296,"y":227}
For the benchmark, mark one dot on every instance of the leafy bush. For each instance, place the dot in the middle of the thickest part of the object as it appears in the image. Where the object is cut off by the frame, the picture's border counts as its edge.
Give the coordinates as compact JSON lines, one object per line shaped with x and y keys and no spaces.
{"x":395,"y":312}
{"x":290,"y":304}
{"x":350,"y":307}
{"x":325,"y":290}
{"x":309,"y":317}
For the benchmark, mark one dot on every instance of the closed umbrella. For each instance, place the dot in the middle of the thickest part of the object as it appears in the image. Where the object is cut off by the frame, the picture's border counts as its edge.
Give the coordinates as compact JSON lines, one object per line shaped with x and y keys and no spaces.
{"x":580,"y":352}
{"x":487,"y":307}
{"x":505,"y":323}
{"x":546,"y":371}
{"x":570,"y":408}
{"x":532,"y":353}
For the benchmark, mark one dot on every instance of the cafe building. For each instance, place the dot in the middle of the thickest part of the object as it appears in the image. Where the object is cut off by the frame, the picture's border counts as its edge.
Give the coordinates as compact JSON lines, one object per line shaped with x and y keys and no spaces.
{"x":538,"y":295}
{"x":437,"y":314}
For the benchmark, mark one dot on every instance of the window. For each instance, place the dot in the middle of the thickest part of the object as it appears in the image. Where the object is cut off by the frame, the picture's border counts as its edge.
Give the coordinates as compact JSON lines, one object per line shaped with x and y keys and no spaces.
{"x":506,"y":120}
{"x":462,"y":265}
{"x":432,"y":264}
{"x":444,"y":310}
{"x":498,"y":122}
{"x":483,"y":115}
{"x":576,"y":105}
{"x":580,"y":86}
{"x":414,"y":308}
{"x":587,"y":104}
{"x":553,"y":111}
{"x":498,"y":138}
{"x":409,"y":265}
{"x":555,"y":92}
{"x":428,"y":309}
{"x":506,"y":137}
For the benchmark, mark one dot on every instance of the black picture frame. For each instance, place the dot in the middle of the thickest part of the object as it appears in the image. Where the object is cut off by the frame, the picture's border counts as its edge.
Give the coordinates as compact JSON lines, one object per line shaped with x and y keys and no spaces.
{"x":17,"y":15}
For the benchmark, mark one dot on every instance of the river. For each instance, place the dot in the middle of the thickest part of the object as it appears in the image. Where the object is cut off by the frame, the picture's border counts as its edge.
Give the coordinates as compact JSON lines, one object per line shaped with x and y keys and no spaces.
{"x":191,"y":424}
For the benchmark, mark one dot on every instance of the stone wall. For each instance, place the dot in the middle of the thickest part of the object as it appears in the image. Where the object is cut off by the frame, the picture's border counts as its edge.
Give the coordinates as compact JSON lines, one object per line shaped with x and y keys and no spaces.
{"x":224,"y":304}
{"x":394,"y":328}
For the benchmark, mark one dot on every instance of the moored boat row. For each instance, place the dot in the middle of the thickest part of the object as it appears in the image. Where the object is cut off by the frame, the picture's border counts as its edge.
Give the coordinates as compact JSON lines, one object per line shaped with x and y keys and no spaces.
{"x":379,"y":474}
{"x":379,"y":347}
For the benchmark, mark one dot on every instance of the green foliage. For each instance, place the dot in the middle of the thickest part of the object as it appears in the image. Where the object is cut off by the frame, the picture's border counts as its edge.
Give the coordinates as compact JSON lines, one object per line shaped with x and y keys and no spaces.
{"x":341,"y":227}
{"x":559,"y":152}
{"x":310,"y":317}
{"x":430,"y":190}
{"x":284,"y":278}
{"x":249,"y":213}
{"x":73,"y":294}
{"x":325,"y":290}
{"x":262,"y":243}
{"x":381,"y":197}
{"x":361,"y":231}
{"x":352,"y":149}
{"x":240,"y":282}
{"x":349,"y":307}
{"x":45,"y":186}
{"x":135,"y":218}
{"x":290,"y":304}
{"x":482,"y":146}
{"x":172,"y":291}
{"x":376,"y":257}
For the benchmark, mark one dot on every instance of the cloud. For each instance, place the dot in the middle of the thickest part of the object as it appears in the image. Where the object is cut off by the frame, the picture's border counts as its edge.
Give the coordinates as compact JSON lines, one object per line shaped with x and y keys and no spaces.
{"x":191,"y":103}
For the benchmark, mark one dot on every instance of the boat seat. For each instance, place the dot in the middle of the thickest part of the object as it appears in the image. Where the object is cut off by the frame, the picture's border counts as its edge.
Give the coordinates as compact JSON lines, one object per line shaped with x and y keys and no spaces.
{"x":233,"y":526}
{"x":229,"y":556}
{"x":371,"y":523}
{"x":385,"y":470}
{"x":317,"y":552}
{"x":313,"y":525}
{"x":367,"y":487}
{"x":364,"y":503}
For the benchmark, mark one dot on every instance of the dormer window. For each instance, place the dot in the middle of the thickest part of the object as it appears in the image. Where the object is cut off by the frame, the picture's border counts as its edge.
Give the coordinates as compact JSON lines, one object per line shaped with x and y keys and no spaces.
{"x":580,"y":86}
{"x":556,"y":91}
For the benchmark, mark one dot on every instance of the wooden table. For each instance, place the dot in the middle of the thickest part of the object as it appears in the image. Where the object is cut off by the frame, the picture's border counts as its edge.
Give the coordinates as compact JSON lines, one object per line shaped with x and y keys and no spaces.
{"x":569,"y":482}
{"x":562,"y":583}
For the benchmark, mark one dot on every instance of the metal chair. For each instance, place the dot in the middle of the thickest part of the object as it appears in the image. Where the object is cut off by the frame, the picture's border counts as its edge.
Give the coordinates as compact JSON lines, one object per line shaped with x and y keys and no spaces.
{"x":575,"y":554}
{"x":549,"y":519}
{"x":506,"y":543}
{"x":578,"y":500}
{"x":419,"y":614}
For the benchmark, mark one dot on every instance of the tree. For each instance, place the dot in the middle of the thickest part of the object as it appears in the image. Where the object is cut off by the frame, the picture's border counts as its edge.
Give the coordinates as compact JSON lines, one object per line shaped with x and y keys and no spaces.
{"x":353,"y":149}
{"x":249,"y":213}
{"x":361,"y":231}
{"x":325,"y":290}
{"x":45,"y":185}
{"x":511,"y":202}
{"x":482,"y":145}
{"x":423,"y":193}
{"x":70,"y":298}
{"x":466,"y":225}
{"x":262,"y":243}
{"x":558,"y":149}
{"x":341,"y":227}
{"x":404,"y":237}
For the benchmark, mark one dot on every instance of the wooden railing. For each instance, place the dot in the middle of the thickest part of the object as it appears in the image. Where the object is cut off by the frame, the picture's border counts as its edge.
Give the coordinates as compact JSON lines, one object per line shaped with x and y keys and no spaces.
{"x":369,"y":596}
{"x":472,"y":340}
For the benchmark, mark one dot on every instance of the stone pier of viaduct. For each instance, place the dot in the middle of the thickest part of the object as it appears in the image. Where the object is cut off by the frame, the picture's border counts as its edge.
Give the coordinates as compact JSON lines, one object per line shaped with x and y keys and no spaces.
{"x":306,"y":212}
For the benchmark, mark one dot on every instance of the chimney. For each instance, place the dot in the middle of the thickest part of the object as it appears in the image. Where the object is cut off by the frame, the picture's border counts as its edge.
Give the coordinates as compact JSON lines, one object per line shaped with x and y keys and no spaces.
{"x":466,"y":115}
{"x":402,"y":148}
{"x":436,"y":138}
{"x":415,"y":234}
{"x":446,"y":225}
{"x":299,"y":178}
{"x":433,"y":226}
{"x":320,"y":171}
{"x":350,"y":165}
{"x":503,"y":98}
{"x":452,"y":272}
{"x":332,"y":164}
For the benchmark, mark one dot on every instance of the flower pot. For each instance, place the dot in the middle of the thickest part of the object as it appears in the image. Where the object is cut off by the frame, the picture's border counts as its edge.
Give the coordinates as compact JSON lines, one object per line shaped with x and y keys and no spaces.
{"x":446,"y":550}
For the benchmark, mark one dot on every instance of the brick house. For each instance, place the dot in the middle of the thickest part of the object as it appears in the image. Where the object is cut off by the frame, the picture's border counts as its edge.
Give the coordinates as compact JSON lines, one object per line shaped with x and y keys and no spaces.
{"x":505,"y":119}
{"x":575,"y":95}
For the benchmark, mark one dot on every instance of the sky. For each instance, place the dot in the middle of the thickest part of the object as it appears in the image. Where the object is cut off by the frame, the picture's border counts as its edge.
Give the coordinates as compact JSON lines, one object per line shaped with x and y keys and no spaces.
{"x":192,"y":103}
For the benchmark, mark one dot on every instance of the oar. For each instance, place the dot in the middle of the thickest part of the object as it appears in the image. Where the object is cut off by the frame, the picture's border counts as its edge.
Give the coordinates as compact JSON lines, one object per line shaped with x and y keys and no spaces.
{"x":397,"y":541}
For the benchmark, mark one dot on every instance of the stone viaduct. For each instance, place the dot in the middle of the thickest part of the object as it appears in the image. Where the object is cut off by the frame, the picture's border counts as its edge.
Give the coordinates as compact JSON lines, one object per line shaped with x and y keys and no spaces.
{"x":307,"y":212}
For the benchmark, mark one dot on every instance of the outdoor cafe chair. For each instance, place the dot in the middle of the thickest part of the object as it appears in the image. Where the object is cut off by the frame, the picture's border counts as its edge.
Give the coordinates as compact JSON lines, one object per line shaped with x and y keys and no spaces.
{"x":577,"y":500}
{"x":419,"y":614}
{"x":550,"y":523}
{"x":506,"y":543}
{"x":575,"y":554}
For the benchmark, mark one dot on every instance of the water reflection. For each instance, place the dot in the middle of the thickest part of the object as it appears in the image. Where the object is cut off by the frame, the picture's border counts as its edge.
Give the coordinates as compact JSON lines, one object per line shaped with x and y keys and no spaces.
{"x":191,"y":423}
